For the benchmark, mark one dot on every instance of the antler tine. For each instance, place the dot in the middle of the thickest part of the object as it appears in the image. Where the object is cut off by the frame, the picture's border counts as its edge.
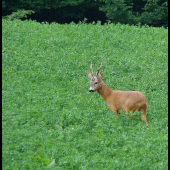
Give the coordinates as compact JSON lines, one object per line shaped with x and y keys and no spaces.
{"x":99,"y":69}
{"x":91,"y":69}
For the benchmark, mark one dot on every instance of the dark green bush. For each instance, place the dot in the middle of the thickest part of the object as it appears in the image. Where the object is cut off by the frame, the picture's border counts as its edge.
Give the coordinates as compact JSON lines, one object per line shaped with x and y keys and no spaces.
{"x":155,"y":13}
{"x":19,"y":14}
{"x":150,"y":12}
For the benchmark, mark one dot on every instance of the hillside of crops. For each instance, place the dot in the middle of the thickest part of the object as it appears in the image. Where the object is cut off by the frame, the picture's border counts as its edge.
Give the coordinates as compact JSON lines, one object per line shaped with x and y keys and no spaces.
{"x":49,"y":118}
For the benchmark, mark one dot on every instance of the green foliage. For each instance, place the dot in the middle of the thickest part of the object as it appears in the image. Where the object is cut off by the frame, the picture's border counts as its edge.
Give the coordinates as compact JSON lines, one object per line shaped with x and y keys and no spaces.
{"x":19,"y":14}
{"x":28,"y":4}
{"x":56,"y":10}
{"x":51,"y":121}
{"x":145,"y":12}
{"x":118,"y":11}
{"x":38,"y":4}
{"x":155,"y":13}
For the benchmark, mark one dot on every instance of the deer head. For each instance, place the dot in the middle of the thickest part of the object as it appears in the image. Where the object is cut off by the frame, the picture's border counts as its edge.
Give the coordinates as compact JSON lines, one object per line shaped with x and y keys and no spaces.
{"x":95,"y":80}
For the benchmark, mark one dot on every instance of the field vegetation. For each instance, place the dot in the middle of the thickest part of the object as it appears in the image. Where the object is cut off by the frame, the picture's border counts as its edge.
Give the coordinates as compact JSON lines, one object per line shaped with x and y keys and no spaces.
{"x":51,"y":121}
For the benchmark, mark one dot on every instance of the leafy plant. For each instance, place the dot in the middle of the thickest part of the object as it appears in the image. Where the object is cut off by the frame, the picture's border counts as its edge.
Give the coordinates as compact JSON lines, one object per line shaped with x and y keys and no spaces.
{"x":19,"y":14}
{"x":51,"y":121}
{"x":155,"y":13}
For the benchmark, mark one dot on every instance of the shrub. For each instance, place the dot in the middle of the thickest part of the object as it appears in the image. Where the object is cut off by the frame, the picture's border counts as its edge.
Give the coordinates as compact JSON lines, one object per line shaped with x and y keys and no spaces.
{"x":19,"y":14}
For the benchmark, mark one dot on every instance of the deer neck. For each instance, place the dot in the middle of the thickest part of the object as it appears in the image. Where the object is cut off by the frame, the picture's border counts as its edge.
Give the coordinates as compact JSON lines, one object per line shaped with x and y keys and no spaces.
{"x":104,"y":90}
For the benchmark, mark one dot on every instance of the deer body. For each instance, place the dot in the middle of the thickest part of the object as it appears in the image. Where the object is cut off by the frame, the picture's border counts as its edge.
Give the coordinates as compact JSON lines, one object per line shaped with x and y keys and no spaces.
{"x":117,"y":99}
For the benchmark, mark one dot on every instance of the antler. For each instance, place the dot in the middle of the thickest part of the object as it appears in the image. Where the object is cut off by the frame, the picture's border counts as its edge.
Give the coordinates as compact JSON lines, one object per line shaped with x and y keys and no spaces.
{"x":99,"y":69}
{"x":91,"y":69}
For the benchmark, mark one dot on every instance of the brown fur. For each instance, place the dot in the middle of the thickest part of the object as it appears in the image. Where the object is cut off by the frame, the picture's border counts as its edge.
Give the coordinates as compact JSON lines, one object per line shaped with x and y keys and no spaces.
{"x":116,"y":99}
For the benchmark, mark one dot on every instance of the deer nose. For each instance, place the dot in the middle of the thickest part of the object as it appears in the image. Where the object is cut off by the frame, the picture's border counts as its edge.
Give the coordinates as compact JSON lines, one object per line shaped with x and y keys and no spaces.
{"x":90,"y":90}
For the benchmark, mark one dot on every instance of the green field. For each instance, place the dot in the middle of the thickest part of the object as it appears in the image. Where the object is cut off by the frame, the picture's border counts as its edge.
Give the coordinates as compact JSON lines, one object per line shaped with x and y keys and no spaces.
{"x":51,"y":121}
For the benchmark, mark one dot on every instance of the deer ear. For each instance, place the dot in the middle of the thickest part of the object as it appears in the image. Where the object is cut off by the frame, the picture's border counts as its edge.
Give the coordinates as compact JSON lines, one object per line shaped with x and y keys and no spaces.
{"x":89,"y":74}
{"x":100,"y":75}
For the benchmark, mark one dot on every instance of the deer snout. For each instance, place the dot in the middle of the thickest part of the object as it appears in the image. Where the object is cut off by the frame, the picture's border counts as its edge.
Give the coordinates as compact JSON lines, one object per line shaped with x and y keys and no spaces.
{"x":90,"y":90}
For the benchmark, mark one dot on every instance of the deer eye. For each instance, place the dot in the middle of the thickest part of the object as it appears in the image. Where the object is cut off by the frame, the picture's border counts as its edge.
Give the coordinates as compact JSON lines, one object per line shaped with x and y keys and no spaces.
{"x":96,"y":83}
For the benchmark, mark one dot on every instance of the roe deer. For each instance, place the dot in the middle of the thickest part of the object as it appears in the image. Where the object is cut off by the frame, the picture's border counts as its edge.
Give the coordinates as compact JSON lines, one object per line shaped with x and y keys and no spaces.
{"x":117,"y":99}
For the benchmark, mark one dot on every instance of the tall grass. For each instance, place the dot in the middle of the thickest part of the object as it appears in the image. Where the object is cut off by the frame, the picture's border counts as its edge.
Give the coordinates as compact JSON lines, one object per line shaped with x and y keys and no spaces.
{"x":51,"y":121}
